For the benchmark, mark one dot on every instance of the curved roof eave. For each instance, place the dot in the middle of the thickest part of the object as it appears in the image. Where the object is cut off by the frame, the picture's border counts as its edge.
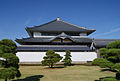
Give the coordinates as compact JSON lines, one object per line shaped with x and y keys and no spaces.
{"x":58,"y":26}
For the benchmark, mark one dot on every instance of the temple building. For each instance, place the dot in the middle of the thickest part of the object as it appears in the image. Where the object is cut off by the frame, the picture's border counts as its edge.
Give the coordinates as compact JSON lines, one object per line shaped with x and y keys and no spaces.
{"x":59,"y":35}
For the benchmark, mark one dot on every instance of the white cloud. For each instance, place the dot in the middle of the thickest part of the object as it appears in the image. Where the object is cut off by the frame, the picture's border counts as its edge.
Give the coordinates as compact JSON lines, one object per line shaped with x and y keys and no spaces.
{"x":27,"y":21}
{"x":109,"y":32}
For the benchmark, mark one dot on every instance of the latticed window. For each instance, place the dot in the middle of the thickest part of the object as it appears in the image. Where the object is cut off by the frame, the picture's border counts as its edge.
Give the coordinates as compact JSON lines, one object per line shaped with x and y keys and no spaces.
{"x":67,"y":40}
{"x":57,"y":40}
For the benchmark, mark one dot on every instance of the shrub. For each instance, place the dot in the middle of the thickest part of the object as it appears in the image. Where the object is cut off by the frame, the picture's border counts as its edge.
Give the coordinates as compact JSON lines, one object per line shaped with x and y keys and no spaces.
{"x":11,"y":60}
{"x":98,"y":61}
{"x":109,"y":79}
{"x":2,"y":63}
{"x":116,"y":67}
{"x":8,"y":73}
{"x":103,"y":63}
{"x":114,"y":55}
{"x":115,"y":44}
{"x":51,"y":58}
{"x":7,"y":46}
{"x":103,"y":52}
{"x":106,"y":64}
{"x":118,"y":76}
{"x":67,"y":60}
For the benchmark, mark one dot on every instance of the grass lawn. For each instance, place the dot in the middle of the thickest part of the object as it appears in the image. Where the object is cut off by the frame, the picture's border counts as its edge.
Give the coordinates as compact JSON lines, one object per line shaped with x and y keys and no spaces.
{"x":73,"y":73}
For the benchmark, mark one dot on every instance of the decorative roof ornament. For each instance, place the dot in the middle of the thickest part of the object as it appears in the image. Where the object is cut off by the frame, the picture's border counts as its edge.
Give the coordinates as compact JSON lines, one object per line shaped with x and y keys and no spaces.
{"x":58,"y":18}
{"x":92,"y":47}
{"x":63,"y":34}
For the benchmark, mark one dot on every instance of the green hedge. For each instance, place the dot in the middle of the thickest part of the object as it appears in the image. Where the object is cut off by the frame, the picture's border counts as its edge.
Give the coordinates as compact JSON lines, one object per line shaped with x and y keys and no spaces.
{"x":109,"y":79}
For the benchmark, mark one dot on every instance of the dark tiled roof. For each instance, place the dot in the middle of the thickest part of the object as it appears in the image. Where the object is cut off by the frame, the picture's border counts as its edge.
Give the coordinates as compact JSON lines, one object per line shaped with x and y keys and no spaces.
{"x":83,"y":40}
{"x":52,"y":47}
{"x":103,"y":42}
{"x":45,"y":39}
{"x":59,"y":26}
{"x":31,"y":39}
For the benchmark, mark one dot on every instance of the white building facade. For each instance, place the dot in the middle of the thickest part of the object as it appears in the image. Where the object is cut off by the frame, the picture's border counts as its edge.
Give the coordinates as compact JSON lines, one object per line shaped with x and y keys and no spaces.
{"x":37,"y":57}
{"x":59,"y":36}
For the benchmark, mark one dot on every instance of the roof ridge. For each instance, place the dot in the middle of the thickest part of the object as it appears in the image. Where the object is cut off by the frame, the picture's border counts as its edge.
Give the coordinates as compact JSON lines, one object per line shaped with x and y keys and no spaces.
{"x":58,"y":21}
{"x":43,"y":24}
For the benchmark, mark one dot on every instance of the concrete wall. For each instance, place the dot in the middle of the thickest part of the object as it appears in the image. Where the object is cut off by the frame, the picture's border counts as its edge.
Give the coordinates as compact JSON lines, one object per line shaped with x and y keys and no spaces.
{"x":38,"y":56}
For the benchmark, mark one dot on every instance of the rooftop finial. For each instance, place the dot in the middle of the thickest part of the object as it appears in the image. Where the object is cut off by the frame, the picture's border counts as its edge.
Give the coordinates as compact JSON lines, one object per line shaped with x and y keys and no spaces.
{"x":58,"y":18}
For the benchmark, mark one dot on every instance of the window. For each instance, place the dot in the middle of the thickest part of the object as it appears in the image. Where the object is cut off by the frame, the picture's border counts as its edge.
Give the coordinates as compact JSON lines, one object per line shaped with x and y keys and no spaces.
{"x":67,"y":40}
{"x":57,"y":40}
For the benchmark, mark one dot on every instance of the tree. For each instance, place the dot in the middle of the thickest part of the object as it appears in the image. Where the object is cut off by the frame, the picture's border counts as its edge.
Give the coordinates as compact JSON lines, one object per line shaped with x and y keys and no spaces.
{"x":8,"y":73}
{"x":11,"y":60}
{"x":112,"y":55}
{"x":51,"y":58}
{"x":109,"y":79}
{"x":118,"y":75}
{"x":112,"y":52}
{"x":98,"y":61}
{"x":7,"y":46}
{"x":115,"y":44}
{"x":67,"y":60}
{"x":103,"y":52}
{"x":103,"y":63}
{"x":2,"y":63}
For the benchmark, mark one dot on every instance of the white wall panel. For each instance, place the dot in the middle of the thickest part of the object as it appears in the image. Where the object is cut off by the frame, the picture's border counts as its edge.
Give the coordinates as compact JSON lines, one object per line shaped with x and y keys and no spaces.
{"x":36,"y":34}
{"x":38,"y":56}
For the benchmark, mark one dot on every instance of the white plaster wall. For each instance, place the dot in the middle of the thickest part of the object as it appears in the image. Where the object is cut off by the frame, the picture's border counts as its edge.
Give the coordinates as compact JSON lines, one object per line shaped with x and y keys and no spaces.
{"x":83,"y":34}
{"x":38,"y":56}
{"x":36,"y":34}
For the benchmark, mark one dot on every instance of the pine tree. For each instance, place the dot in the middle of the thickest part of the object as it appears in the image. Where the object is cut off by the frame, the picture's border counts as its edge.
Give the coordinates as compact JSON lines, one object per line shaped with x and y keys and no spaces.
{"x":67,"y":60}
{"x":51,"y":58}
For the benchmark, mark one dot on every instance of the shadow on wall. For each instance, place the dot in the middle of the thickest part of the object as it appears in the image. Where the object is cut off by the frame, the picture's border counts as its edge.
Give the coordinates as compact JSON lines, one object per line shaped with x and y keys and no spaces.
{"x":31,"y":78}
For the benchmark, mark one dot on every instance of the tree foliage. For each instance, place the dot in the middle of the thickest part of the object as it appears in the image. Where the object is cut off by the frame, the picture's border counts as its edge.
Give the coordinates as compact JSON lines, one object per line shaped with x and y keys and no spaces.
{"x":112,"y":54}
{"x":116,"y":67}
{"x":118,"y":75}
{"x":103,"y":63}
{"x":11,"y":60}
{"x":10,"y":65}
{"x":7,"y":46}
{"x":2,"y":63}
{"x":109,"y":79}
{"x":67,"y":60}
{"x":51,"y":58}
{"x":98,"y":61}
{"x":103,"y":52}
{"x":115,"y":44}
{"x":8,"y":73}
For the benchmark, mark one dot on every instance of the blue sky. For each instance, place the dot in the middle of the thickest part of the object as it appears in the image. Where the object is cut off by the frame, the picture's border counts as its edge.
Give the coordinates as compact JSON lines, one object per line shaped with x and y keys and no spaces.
{"x":102,"y":15}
